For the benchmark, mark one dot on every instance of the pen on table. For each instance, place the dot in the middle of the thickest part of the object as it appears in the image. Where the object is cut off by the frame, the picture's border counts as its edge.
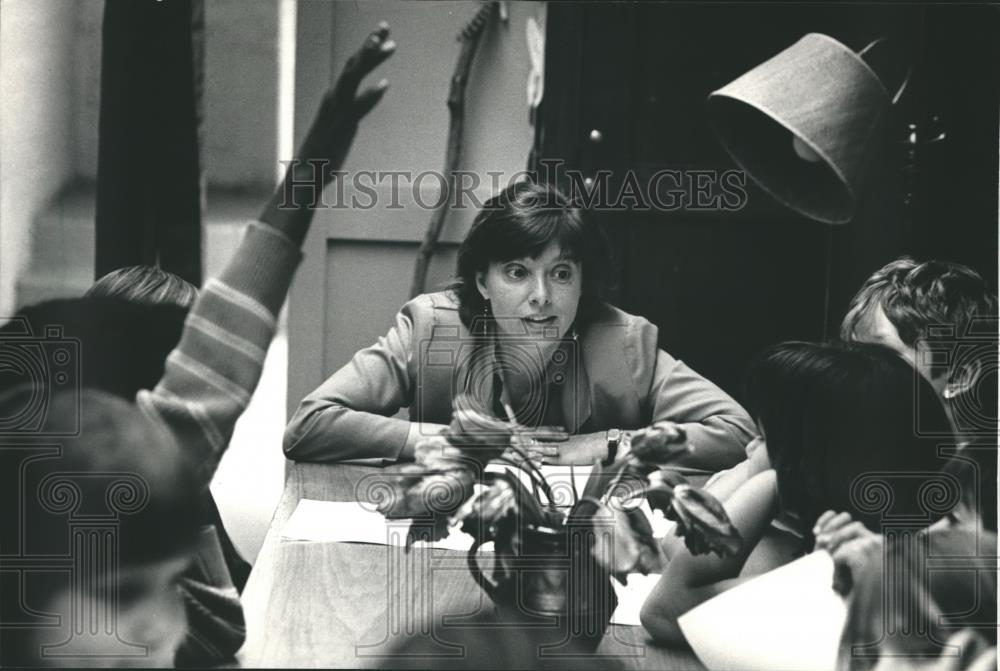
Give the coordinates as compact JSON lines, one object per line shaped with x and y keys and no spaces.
{"x":513,"y":420}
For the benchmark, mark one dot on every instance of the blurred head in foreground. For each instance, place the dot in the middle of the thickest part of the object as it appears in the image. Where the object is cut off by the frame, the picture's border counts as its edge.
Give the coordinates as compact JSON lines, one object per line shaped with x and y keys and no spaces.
{"x":924,"y":602}
{"x":112,"y":501}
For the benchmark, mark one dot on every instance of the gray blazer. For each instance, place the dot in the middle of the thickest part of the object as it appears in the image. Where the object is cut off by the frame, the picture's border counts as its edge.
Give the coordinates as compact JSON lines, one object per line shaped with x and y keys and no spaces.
{"x":616,"y":377}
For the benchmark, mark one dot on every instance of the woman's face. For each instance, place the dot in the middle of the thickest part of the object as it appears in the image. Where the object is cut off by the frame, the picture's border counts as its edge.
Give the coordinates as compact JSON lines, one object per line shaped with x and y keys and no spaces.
{"x":538,"y":296}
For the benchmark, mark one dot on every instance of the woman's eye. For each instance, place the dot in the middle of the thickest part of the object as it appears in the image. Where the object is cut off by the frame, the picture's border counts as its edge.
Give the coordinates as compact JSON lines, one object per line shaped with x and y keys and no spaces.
{"x":562,"y":274}
{"x":515,"y":272}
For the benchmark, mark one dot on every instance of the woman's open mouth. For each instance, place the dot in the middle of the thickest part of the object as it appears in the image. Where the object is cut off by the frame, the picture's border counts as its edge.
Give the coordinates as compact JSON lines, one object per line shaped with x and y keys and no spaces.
{"x":540,"y":320}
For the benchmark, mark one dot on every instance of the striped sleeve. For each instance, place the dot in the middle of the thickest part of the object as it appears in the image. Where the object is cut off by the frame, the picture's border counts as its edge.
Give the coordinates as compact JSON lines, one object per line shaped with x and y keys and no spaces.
{"x":209,"y":378}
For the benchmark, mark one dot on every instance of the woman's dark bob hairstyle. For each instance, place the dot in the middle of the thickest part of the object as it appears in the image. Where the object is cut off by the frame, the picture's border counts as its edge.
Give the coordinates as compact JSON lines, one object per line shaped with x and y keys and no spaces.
{"x":521,"y":221}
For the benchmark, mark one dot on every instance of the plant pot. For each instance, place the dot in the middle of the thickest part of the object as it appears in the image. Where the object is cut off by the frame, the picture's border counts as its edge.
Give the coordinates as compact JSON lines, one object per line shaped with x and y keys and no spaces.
{"x":547,"y":578}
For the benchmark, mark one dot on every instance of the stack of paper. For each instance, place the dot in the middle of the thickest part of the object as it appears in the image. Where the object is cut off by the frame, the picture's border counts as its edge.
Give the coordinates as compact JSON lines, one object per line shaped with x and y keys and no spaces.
{"x":350,"y":522}
{"x":631,"y":596}
{"x":789,"y":618}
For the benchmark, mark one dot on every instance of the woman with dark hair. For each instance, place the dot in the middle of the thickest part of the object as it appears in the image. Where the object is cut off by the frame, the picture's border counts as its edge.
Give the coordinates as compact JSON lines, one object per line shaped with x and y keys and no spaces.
{"x":847,"y":428}
{"x":526,"y":331}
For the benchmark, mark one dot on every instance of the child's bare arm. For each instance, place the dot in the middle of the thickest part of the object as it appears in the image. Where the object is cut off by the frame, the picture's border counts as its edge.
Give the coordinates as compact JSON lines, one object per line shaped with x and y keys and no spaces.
{"x":690,"y":580}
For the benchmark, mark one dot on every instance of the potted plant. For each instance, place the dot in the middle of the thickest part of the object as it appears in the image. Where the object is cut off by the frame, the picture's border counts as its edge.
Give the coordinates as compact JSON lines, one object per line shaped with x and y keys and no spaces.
{"x":551,"y":559}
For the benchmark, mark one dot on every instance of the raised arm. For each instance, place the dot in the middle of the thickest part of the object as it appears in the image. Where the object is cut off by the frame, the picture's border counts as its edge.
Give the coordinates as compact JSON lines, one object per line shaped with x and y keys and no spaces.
{"x":209,"y":378}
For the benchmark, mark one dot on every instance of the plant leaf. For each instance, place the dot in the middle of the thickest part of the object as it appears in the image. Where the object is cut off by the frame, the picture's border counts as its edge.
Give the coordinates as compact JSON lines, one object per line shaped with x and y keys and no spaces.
{"x":651,"y":559}
{"x":596,"y":483}
{"x":615,"y":547}
{"x":481,"y":515}
{"x":668,"y":476}
{"x":430,"y":529}
{"x":401,"y":478}
{"x":527,"y":505}
{"x":660,"y":492}
{"x":623,"y":541}
{"x":660,"y":497}
{"x":480,"y":436}
{"x":660,"y":443}
{"x":703,"y":522}
{"x":426,"y":493}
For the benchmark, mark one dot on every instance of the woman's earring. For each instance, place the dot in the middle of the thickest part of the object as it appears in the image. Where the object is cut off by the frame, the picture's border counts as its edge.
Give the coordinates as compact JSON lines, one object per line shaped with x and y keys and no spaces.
{"x":486,"y":314}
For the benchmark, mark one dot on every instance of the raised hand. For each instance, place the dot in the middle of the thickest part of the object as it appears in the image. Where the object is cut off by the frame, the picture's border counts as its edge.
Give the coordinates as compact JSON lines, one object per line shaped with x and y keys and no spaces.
{"x":328,"y":139}
{"x":332,"y":131}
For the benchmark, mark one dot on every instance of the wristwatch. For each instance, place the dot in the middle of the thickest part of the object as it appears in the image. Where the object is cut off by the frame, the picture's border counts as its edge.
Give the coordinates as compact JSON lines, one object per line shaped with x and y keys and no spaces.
{"x":614,"y":439}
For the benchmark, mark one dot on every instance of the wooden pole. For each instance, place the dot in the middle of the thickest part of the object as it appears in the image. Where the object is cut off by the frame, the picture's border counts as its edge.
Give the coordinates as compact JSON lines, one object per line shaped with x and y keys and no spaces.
{"x":469,"y":38}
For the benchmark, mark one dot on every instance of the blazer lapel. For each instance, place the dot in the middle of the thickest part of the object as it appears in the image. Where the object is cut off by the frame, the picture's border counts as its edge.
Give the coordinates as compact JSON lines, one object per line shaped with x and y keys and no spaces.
{"x":576,"y":397}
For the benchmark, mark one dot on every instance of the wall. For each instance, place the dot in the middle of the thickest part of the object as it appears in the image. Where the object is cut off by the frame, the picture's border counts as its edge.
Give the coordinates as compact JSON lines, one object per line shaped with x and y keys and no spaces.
{"x":240,"y":103}
{"x":359,"y":262}
{"x":241,"y":93}
{"x":87,"y":86}
{"x":37,"y":116}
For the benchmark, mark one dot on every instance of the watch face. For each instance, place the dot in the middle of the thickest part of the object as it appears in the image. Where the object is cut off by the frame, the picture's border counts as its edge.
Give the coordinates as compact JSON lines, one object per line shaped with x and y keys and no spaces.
{"x":614,"y":435}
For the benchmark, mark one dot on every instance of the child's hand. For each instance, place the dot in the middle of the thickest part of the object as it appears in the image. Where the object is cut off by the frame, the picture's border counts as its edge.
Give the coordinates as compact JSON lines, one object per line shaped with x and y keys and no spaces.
{"x":850,"y":544}
{"x":834,"y":530}
{"x":328,"y":139}
{"x":333,"y":129}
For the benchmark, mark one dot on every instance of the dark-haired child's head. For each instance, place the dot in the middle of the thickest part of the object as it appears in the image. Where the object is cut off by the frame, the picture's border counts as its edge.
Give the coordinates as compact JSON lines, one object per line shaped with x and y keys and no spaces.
{"x":108,"y":491}
{"x":75,"y":367}
{"x":849,"y":428}
{"x":525,"y":223}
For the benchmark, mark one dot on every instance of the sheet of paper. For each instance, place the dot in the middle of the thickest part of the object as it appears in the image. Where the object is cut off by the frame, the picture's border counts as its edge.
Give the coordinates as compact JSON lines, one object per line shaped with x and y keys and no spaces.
{"x":349,"y":522}
{"x":789,"y":618}
{"x":631,"y":597}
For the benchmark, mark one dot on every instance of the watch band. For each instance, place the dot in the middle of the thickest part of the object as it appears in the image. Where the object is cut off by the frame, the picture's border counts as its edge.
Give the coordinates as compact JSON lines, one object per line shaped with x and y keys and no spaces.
{"x":614,"y":439}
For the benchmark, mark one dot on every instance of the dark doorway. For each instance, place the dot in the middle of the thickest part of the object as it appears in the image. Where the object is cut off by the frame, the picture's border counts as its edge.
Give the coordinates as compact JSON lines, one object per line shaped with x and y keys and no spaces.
{"x":722,"y":282}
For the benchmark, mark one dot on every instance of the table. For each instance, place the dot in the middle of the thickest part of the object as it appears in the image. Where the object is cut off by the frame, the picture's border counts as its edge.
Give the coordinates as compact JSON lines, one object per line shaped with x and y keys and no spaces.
{"x":351,"y":605}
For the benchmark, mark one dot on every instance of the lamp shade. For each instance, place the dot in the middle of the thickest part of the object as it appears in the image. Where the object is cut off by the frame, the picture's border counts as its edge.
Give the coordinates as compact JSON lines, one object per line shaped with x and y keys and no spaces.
{"x":800,"y":125}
